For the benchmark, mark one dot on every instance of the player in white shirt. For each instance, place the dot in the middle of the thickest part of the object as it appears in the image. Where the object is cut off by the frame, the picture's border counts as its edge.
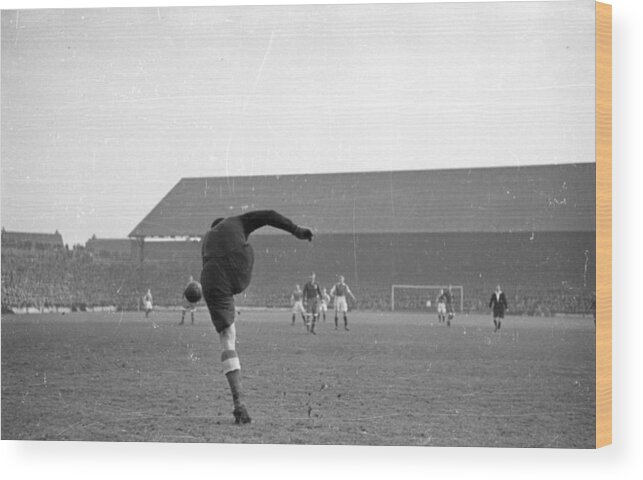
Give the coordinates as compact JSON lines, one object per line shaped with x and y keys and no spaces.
{"x":148,"y":303}
{"x":296,"y":300}
{"x":442,"y":306}
{"x":339,"y":292}
{"x":325,"y":300}
{"x":189,"y":306}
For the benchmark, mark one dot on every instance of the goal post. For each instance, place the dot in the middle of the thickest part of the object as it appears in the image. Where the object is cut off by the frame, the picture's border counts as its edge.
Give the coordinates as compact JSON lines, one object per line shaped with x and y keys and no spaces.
{"x":423,"y":297}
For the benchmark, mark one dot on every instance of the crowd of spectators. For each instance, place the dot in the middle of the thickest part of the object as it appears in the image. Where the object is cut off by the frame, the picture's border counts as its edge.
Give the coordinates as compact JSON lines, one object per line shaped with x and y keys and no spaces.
{"x":59,"y":277}
{"x":77,"y":278}
{"x":550,"y":301}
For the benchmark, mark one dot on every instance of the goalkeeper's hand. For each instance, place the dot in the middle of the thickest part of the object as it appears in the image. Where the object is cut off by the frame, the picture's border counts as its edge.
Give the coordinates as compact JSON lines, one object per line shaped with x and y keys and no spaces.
{"x":304,"y":233}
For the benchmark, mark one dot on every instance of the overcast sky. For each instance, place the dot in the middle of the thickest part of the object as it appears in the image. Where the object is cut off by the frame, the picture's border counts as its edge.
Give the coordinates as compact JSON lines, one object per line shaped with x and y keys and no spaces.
{"x":104,"y":110}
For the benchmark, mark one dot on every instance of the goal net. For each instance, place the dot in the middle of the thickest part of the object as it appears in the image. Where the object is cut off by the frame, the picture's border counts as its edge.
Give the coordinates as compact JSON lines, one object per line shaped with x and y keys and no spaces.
{"x":415,"y":298}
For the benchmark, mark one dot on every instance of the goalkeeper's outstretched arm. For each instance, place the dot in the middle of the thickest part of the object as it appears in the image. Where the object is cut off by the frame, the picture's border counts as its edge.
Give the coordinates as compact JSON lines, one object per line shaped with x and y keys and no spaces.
{"x":260,"y":218}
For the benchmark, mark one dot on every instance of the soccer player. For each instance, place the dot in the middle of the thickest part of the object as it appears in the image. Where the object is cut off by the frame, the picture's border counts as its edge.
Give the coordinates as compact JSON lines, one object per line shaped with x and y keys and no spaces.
{"x":499,"y":304}
{"x":148,"y":303}
{"x":339,"y":292}
{"x":312,"y":295}
{"x":449,"y":306}
{"x":325,"y":300}
{"x":189,"y":306}
{"x":228,"y":259}
{"x":442,"y":306}
{"x":298,"y":305}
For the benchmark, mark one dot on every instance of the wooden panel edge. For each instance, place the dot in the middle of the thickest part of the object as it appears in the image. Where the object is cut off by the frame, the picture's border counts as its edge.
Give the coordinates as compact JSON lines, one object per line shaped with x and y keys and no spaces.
{"x":603,"y":224}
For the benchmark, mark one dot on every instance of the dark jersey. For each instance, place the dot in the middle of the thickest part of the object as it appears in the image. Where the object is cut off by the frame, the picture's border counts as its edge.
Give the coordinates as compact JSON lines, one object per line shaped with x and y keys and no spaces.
{"x":228,"y":259}
{"x":227,"y":255}
{"x":312,"y":290}
{"x":447,"y":297}
{"x":499,"y":303}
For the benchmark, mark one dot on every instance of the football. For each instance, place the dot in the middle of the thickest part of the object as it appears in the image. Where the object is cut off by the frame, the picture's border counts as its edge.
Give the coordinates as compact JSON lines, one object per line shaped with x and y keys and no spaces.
{"x":193,"y":292}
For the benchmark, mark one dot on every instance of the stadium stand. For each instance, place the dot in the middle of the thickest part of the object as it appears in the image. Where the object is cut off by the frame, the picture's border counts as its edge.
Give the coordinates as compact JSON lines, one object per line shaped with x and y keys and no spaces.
{"x":531,"y":229}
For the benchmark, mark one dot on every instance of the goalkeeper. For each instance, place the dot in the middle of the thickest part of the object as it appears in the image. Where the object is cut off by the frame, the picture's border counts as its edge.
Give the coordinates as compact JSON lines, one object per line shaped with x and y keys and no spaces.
{"x":227,"y":269}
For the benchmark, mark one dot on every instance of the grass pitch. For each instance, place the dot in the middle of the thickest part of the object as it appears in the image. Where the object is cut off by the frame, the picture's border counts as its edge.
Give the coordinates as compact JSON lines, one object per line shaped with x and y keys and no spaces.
{"x":394,"y":379}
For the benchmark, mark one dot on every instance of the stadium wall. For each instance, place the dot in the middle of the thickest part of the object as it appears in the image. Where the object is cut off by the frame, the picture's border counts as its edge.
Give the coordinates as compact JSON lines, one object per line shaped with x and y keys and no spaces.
{"x":529,"y":228}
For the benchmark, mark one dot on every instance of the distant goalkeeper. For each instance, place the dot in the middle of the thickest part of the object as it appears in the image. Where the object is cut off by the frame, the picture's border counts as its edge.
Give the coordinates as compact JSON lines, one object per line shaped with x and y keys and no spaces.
{"x":228,"y":259}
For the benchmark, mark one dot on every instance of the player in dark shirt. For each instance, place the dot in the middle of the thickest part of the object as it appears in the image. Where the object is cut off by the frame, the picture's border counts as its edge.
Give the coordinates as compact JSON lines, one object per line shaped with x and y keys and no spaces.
{"x":227,"y":269}
{"x":499,"y":304}
{"x":449,"y":305}
{"x":312,"y":296}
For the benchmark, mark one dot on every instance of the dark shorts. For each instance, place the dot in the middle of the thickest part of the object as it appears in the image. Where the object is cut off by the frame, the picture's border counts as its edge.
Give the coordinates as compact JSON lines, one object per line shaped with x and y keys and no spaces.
{"x":498,"y":313}
{"x":222,"y":312}
{"x":218,"y":293}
